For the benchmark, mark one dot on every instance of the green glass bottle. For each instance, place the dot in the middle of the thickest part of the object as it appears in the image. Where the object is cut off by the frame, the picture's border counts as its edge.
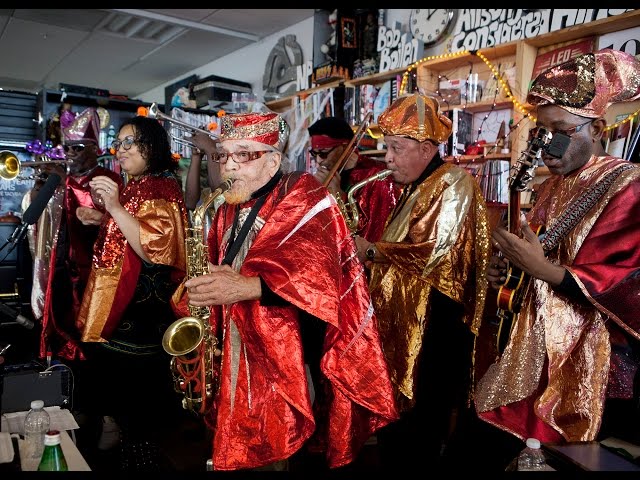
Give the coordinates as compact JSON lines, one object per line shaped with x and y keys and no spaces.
{"x":52,"y":458}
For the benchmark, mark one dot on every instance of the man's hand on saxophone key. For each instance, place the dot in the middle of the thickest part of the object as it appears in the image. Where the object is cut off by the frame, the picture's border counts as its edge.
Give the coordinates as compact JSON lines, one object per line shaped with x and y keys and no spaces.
{"x":222,"y":286}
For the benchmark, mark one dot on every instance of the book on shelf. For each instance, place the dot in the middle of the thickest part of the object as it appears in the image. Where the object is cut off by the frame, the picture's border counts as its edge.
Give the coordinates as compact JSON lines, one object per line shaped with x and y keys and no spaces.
{"x":619,"y":137}
{"x":382,"y":100}
{"x":450,"y":92}
{"x":492,"y":90}
{"x":367,"y":96}
{"x":461,"y":131}
{"x":562,"y":54}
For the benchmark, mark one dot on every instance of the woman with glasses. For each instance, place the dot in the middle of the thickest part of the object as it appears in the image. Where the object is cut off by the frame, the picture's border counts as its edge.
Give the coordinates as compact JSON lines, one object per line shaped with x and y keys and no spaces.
{"x":138,"y":261}
{"x":329,"y":138}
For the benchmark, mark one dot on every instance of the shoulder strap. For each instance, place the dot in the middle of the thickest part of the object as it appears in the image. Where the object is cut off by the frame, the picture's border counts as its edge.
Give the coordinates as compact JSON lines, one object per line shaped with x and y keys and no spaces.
{"x":579,"y":208}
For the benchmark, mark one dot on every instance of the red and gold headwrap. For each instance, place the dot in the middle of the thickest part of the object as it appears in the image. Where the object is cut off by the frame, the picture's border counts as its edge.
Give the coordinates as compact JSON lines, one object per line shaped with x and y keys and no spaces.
{"x":415,"y":116}
{"x":268,"y":128}
{"x":85,"y":126}
{"x":589,"y":83}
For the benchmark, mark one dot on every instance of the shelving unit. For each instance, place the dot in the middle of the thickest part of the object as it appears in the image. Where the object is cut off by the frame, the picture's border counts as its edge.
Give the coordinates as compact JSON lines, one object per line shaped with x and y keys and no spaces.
{"x":522,"y":53}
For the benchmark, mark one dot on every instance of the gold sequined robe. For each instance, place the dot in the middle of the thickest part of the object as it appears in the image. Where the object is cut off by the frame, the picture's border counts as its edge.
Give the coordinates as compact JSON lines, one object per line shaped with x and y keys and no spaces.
{"x":439,"y":240}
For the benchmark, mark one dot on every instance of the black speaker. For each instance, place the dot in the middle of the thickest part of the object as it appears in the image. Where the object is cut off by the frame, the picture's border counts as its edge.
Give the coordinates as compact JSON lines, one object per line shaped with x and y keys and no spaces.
{"x":25,"y":384}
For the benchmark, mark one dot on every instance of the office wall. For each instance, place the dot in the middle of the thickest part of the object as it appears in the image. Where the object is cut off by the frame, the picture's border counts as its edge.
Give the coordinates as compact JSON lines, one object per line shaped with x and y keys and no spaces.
{"x":246,"y":64}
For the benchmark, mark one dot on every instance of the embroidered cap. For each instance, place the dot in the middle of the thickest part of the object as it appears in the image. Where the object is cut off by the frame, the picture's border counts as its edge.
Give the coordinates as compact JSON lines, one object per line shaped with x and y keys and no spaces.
{"x":589,"y":83}
{"x":268,"y":128}
{"x":85,"y":127}
{"x":415,"y":116}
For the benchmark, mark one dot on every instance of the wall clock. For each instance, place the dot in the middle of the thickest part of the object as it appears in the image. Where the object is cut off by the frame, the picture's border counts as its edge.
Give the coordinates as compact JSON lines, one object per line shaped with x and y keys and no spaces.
{"x":432,"y":25}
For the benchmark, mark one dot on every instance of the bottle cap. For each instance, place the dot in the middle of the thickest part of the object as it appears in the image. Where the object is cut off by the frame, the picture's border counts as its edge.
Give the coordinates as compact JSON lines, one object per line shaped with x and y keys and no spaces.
{"x":52,"y":437}
{"x":533,"y":443}
{"x":37,"y":404}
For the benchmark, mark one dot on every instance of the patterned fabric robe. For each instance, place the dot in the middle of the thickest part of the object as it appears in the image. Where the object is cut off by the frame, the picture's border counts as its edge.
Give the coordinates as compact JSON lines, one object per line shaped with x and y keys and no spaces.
{"x":558,"y":367}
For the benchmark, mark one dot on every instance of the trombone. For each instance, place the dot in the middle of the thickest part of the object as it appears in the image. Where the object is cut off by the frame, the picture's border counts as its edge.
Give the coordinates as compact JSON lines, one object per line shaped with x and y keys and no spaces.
{"x":154,"y":112}
{"x":10,"y":164}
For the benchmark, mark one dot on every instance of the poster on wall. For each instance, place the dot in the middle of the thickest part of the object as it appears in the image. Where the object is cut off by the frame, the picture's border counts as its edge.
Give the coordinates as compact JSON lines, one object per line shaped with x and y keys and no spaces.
{"x":624,"y":40}
{"x":561,"y":54}
{"x":12,"y":191}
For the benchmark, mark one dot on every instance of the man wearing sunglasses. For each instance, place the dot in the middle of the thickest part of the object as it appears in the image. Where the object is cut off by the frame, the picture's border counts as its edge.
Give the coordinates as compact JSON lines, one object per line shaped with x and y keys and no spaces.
{"x":291,"y":308}
{"x":570,"y":370}
{"x":329,"y":138}
{"x":60,"y":279}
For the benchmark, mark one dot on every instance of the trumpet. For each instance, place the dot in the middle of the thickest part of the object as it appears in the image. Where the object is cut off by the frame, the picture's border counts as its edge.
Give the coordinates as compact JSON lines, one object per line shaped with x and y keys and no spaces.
{"x":183,"y":127}
{"x":349,"y":149}
{"x":10,"y":165}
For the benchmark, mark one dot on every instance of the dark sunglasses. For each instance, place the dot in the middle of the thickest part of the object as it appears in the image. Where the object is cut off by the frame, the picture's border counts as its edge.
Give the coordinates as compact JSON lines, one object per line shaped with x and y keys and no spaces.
{"x":323,"y":154}
{"x":77,"y":147}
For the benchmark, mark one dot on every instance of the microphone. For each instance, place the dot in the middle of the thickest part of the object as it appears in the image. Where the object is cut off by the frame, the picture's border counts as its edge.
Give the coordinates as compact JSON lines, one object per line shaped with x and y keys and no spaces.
{"x":15,"y":315}
{"x":34,"y":211}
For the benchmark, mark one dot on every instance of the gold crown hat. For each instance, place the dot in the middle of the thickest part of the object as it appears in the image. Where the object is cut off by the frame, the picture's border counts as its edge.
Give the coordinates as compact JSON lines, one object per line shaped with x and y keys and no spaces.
{"x":85,"y":127}
{"x":415,"y":116}
{"x":268,"y":128}
{"x":588,"y":84}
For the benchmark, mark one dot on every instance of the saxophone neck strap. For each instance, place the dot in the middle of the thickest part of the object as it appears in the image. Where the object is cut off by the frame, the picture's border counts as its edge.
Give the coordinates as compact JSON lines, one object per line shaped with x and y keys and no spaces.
{"x":236,"y":241}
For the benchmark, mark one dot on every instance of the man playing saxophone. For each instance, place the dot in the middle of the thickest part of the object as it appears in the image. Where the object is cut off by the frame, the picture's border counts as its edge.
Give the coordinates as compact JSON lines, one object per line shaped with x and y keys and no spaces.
{"x":329,"y":138}
{"x":427,"y":283}
{"x":284,"y":266}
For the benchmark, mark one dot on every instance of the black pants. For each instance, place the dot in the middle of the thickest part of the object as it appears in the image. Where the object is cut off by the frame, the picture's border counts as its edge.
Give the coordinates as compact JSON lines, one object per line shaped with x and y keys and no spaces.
{"x":422,"y":434}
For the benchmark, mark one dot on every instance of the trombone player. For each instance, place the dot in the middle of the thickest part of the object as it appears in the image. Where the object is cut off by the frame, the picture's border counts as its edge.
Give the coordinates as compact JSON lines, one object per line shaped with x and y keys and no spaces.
{"x":331,"y":139}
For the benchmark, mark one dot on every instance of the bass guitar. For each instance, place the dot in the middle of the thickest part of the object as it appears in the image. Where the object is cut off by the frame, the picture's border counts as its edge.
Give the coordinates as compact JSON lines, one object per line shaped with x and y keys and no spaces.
{"x":510,"y":293}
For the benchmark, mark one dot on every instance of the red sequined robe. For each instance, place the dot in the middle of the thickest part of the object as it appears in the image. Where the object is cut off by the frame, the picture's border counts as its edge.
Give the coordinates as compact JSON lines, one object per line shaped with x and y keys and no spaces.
{"x":301,"y":248}
{"x":559,"y":366}
{"x":157,"y":202}
{"x":375,"y":200}
{"x":58,"y":330}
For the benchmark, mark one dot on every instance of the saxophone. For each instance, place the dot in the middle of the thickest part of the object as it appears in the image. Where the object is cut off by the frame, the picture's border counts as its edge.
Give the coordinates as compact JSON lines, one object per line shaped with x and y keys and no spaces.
{"x":350,"y":208}
{"x":189,"y":340}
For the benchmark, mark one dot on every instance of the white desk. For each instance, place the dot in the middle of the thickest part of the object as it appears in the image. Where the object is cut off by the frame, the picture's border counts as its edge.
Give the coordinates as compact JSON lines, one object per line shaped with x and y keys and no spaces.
{"x":61,"y":419}
{"x":75,"y":460}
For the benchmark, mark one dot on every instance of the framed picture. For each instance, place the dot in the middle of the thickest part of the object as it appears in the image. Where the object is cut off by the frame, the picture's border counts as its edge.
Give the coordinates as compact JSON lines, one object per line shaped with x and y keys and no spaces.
{"x":348,"y":26}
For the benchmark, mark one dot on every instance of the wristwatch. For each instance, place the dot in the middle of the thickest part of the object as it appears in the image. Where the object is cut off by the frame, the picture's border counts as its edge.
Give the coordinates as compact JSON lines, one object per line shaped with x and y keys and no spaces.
{"x":371,"y":252}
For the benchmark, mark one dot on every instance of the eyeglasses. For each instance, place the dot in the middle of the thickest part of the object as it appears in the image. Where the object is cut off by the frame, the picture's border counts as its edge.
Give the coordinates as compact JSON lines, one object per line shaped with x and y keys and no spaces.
{"x":569,"y":132}
{"x":126,"y":143}
{"x":242,"y":156}
{"x":323,"y":154}
{"x":77,"y":147}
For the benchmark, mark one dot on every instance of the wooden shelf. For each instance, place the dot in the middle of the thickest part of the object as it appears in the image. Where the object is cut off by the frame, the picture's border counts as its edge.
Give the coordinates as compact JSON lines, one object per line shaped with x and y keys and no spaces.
{"x":375,"y":78}
{"x":478,"y":106}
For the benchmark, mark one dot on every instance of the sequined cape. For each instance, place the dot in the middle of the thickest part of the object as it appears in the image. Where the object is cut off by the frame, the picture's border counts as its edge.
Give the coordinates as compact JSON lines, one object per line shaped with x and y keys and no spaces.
{"x":438,"y":240}
{"x":558,"y":367}
{"x":375,"y":200}
{"x":302,"y":249}
{"x":157,"y":202}
{"x":61,"y":333}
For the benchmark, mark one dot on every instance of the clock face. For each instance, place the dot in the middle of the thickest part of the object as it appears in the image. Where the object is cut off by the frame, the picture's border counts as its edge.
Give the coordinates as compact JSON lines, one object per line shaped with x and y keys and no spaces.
{"x":431,"y":25}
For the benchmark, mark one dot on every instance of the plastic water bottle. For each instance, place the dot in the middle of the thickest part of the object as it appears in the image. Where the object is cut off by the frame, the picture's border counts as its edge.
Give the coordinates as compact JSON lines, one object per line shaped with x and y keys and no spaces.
{"x":531,"y":458}
{"x":111,"y":135}
{"x":52,"y":458}
{"x":36,"y":425}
